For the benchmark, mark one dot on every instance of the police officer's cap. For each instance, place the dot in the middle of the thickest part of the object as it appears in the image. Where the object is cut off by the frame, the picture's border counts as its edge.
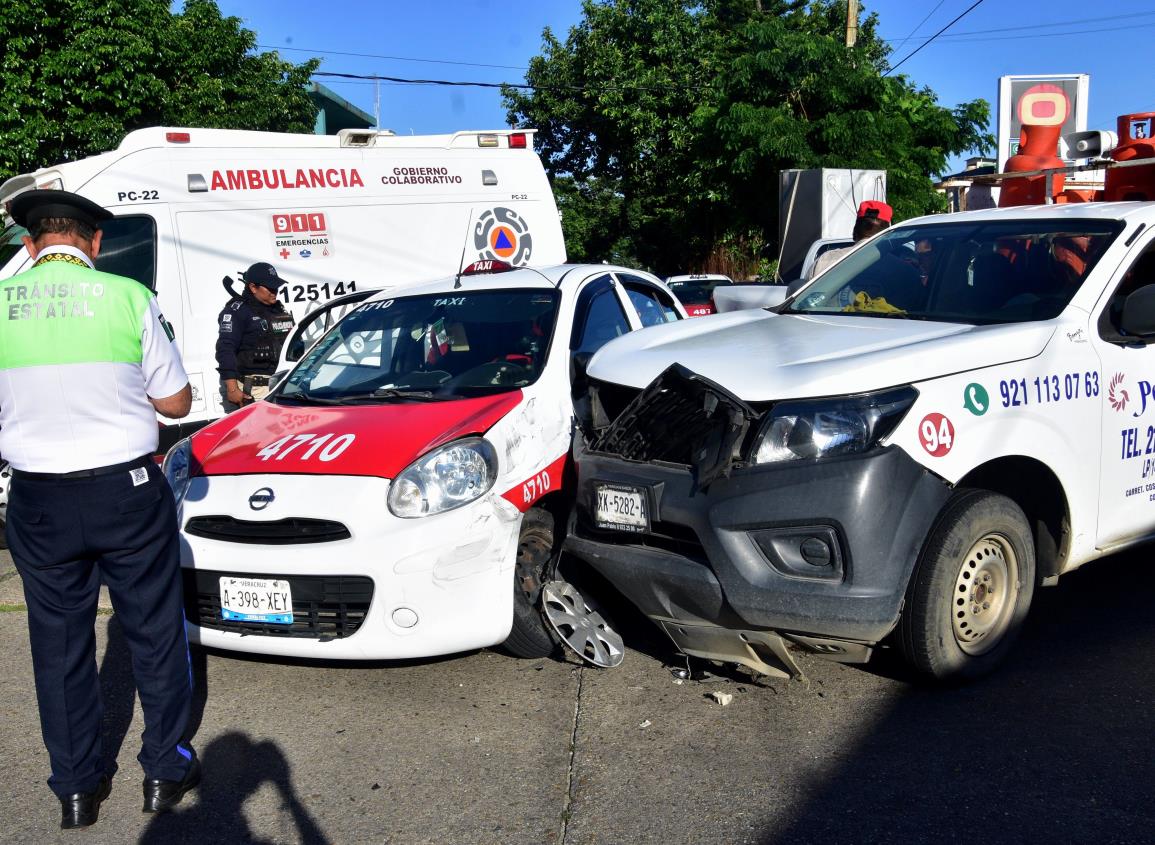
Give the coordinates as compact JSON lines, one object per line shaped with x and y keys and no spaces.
{"x":263,"y":274}
{"x":30,"y":207}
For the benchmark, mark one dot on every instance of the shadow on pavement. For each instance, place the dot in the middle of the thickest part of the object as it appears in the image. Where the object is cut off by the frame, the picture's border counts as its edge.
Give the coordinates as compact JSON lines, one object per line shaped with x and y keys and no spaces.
{"x":118,"y":692}
{"x":234,"y":768}
{"x":1058,"y":745}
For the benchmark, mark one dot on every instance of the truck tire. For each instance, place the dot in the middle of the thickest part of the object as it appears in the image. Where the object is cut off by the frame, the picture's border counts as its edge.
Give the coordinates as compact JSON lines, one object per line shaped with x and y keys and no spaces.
{"x":529,"y":636}
{"x":971,"y":589}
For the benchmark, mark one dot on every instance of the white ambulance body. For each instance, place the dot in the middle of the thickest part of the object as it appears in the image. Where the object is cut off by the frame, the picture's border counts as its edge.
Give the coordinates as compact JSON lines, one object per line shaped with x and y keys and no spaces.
{"x":958,"y":411}
{"x":333,"y":214}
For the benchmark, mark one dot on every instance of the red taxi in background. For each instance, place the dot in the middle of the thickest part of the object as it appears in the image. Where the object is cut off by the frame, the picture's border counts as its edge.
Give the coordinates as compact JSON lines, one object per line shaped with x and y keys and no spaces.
{"x":696,"y":292}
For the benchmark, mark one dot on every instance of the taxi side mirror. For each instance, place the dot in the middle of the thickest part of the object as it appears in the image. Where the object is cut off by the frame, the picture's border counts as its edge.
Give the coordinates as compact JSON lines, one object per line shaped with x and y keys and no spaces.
{"x":579,"y":363}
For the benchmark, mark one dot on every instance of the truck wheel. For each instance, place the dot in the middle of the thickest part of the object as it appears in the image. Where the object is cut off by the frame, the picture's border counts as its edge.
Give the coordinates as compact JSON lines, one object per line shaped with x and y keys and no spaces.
{"x":971,"y":589}
{"x":529,"y":636}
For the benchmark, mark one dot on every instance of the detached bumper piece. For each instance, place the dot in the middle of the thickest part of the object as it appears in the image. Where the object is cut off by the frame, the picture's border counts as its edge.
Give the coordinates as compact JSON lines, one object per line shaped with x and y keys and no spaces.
{"x":324,"y":606}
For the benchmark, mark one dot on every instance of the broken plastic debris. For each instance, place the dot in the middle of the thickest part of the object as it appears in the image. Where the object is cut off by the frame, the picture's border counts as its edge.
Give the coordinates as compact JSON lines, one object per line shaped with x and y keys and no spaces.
{"x":722,"y":698}
{"x":645,"y":724}
{"x":682,"y":673}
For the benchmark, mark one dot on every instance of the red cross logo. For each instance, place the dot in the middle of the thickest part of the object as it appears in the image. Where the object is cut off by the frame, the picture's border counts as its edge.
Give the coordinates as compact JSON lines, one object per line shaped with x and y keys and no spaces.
{"x":285,"y":253}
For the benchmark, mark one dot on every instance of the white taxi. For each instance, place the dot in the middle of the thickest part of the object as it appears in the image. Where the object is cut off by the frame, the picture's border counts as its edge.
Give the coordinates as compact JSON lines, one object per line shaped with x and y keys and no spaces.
{"x":402,"y":492}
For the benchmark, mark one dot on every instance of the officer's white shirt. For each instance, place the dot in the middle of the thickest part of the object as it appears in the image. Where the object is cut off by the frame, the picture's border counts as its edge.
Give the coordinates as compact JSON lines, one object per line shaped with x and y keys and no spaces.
{"x":67,"y":417}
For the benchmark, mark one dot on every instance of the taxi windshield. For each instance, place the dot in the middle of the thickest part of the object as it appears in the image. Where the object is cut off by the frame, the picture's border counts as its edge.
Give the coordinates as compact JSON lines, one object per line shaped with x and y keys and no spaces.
{"x":1006,"y":271}
{"x":427,"y":348}
{"x":10,"y":242}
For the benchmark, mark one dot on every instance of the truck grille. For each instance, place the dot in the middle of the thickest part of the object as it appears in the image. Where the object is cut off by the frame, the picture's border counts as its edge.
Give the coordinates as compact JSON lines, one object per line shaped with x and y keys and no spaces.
{"x":324,"y":606}
{"x":280,"y":532}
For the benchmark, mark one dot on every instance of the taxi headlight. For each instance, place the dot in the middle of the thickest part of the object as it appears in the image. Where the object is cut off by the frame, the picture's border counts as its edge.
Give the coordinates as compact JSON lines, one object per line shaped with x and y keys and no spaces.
{"x":448,"y":477}
{"x":177,"y":468}
{"x":828,"y":427}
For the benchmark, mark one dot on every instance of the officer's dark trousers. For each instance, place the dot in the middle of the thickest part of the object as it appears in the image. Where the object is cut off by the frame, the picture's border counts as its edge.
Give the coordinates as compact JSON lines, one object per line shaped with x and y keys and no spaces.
{"x":66,"y":537}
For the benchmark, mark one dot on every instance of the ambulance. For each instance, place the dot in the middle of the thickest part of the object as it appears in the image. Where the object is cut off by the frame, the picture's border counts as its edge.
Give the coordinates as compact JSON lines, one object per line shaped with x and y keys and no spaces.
{"x":335,"y":214}
{"x":959,"y":411}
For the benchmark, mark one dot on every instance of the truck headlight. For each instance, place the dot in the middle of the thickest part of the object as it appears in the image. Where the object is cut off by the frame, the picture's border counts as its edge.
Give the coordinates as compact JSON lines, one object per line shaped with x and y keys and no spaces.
{"x":824,"y":428}
{"x":446,"y":478}
{"x":177,"y":468}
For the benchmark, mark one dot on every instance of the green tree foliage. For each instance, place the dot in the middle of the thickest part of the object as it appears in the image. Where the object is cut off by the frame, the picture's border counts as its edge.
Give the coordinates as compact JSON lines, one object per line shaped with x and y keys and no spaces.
{"x":671,"y":120}
{"x":77,"y":76}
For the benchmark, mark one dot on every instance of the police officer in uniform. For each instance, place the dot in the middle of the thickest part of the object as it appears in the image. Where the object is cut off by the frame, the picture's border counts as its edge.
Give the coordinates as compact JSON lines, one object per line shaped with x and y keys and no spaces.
{"x":251,"y":330}
{"x":86,"y":362}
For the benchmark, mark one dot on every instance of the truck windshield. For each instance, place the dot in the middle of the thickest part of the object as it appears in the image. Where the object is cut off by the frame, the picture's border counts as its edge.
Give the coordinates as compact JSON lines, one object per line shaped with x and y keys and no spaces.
{"x":427,"y":348}
{"x":993,"y":272}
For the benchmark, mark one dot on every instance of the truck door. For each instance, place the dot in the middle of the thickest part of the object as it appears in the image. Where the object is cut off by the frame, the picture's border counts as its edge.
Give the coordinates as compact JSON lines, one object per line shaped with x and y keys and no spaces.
{"x":1126,"y":383}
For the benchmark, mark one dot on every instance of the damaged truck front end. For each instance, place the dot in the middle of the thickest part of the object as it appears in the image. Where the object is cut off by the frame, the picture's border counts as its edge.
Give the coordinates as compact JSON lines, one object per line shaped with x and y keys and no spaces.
{"x":748,"y":531}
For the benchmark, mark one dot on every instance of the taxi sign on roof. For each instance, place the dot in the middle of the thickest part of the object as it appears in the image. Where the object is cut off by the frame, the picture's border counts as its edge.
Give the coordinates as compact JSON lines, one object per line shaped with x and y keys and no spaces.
{"x":487,"y":265}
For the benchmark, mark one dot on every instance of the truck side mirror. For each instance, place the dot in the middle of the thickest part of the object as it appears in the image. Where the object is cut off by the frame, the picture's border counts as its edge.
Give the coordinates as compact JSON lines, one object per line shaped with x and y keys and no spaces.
{"x":1138,"y":317}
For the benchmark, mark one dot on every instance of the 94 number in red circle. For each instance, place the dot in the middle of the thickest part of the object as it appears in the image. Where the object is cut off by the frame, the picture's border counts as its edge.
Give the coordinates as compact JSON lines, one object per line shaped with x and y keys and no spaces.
{"x":936,"y":433}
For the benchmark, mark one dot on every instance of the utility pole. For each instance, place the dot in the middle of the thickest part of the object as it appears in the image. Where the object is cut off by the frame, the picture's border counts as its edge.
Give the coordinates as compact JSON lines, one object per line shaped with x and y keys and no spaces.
{"x":851,"y":22}
{"x":377,"y":102}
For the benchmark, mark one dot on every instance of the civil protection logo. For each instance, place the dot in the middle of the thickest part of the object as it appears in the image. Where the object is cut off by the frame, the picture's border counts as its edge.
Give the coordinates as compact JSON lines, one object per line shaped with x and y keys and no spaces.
{"x":502,"y":235}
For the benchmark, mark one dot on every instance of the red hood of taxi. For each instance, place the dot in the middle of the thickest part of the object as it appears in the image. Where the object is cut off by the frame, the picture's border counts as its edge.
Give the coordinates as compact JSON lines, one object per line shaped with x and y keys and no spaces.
{"x":386,"y":438}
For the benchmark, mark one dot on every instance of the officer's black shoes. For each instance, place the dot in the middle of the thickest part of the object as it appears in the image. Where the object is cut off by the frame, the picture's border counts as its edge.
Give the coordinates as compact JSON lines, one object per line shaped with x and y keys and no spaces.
{"x":162,"y":795}
{"x":81,"y":809}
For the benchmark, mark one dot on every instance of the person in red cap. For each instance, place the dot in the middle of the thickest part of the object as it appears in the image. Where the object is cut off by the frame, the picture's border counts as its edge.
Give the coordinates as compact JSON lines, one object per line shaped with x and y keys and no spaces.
{"x":251,"y":329}
{"x":873,"y":217}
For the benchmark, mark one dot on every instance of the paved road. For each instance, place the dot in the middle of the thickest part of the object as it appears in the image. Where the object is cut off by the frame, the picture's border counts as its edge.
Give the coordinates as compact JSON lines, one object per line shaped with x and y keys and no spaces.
{"x":482,"y":748}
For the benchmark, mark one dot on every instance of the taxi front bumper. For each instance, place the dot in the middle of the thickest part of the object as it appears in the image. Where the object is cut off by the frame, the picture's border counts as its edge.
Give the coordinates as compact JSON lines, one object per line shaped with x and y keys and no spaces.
{"x":365,"y":584}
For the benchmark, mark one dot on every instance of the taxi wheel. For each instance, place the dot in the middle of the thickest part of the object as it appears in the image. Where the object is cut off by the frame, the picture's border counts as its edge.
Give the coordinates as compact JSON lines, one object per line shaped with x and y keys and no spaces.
{"x":971,"y":589}
{"x":529,"y":636}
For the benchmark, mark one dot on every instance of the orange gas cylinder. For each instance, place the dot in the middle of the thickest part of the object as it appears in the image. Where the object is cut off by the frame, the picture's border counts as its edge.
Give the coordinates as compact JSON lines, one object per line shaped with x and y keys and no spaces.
{"x":1042,"y":110}
{"x":1135,"y":142}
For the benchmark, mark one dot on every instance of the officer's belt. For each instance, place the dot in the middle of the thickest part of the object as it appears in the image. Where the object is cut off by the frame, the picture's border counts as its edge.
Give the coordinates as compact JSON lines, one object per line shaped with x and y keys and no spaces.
{"x":135,"y":463}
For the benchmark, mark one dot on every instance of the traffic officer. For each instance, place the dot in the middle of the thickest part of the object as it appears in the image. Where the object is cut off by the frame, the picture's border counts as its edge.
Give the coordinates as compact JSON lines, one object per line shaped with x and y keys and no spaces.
{"x":86,"y":362}
{"x":251,"y":330}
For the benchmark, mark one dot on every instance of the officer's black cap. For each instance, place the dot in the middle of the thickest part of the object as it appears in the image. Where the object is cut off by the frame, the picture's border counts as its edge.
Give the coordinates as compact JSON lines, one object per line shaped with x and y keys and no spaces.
{"x":30,"y":207}
{"x":263,"y":274}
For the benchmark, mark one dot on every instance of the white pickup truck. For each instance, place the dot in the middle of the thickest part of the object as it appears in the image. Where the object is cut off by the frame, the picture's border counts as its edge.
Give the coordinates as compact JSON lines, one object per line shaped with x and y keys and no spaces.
{"x":961,"y":410}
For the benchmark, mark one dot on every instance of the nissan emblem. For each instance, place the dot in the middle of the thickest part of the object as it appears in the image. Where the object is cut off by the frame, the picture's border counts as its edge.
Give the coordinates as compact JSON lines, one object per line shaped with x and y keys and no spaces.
{"x":261,"y":499}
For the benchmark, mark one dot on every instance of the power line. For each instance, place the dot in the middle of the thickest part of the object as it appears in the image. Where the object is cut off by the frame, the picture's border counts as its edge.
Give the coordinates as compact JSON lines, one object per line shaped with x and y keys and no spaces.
{"x":970,"y":9}
{"x":1036,"y":26}
{"x":1052,"y":34}
{"x":920,"y":23}
{"x":520,"y":85}
{"x":390,"y":58}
